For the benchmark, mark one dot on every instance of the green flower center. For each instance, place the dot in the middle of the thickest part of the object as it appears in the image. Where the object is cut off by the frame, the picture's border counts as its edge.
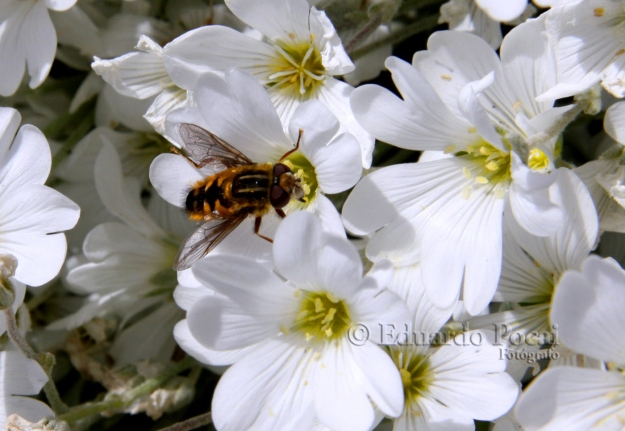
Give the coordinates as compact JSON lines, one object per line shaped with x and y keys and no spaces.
{"x":297,"y":70}
{"x":538,"y":160}
{"x":305,"y":171}
{"x":489,"y":167}
{"x":322,"y":317}
{"x":416,"y":373}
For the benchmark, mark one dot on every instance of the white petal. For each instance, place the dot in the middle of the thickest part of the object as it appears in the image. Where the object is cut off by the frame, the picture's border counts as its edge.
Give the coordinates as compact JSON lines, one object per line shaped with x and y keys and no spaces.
{"x":530,"y":199}
{"x":333,"y":56}
{"x":586,"y":309}
{"x":329,"y":216}
{"x":297,"y":246}
{"x":221,"y":324}
{"x":521,"y":279}
{"x":503,"y":11}
{"x":10,"y":119}
{"x":192,"y":346}
{"x":169,"y":100}
{"x":254,"y":287}
{"x":470,"y":377}
{"x":455,"y":59}
{"x":614,"y":122}
{"x":38,"y":30}
{"x":240,"y":112}
{"x":471,"y":108}
{"x":337,"y":165}
{"x":572,"y":398}
{"x":137,"y":74}
{"x":173,"y":176}
{"x":28,"y":160}
{"x":528,"y":63}
{"x":335,"y":95}
{"x":584,"y":43}
{"x":381,"y":382}
{"x":420,"y":122}
{"x":428,"y":319}
{"x":214,"y":48}
{"x":278,"y":20}
{"x":149,"y":338}
{"x":573,"y":238}
{"x":120,"y":199}
{"x":318,"y":124}
{"x":28,"y":234}
{"x":21,"y":376}
{"x":341,"y":402}
{"x":60,"y":5}
{"x":271,"y":384}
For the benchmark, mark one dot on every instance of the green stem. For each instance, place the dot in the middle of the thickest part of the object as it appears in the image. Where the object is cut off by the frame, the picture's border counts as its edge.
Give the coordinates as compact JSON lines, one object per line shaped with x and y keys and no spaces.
{"x":40,"y":298}
{"x":120,"y":402}
{"x":400,"y":35}
{"x":412,"y":5}
{"x":62,"y":122}
{"x":84,"y":126}
{"x":190,"y":424}
{"x":364,"y":32}
{"x":49,"y":388}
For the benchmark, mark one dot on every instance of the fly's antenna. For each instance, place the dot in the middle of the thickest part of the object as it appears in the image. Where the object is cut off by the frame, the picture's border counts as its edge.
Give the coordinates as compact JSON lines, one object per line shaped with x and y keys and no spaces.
{"x":288,"y":153}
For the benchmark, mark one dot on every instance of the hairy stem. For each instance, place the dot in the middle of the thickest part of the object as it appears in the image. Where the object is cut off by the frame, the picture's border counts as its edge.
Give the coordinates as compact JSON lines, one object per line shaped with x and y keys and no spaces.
{"x":46,"y":361}
{"x":122,"y":401}
{"x":395,"y":37}
{"x":364,"y":33}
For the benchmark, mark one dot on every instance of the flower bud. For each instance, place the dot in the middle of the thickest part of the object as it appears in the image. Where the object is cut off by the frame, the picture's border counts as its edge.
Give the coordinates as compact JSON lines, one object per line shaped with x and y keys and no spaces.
{"x":8,"y":264}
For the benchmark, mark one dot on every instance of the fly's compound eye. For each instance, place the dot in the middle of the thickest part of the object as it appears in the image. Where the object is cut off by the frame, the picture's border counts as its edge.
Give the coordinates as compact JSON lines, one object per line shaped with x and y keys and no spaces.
{"x":279,"y":197}
{"x":279,"y":169}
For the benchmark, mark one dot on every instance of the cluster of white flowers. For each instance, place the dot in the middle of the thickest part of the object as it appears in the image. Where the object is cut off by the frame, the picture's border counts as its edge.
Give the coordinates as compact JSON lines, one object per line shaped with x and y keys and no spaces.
{"x":208,"y":212}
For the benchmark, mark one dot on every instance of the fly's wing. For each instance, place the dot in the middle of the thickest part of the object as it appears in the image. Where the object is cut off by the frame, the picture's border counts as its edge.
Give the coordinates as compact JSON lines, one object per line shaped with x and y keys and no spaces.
{"x":203,"y":239}
{"x":204,"y":148}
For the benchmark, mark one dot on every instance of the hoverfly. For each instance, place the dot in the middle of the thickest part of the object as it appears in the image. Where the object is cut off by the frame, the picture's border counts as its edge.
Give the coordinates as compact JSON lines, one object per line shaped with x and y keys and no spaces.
{"x":239,"y":189}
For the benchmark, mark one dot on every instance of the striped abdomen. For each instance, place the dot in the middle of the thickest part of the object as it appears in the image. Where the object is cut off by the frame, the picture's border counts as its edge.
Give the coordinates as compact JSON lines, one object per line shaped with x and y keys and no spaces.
{"x":231,"y":192}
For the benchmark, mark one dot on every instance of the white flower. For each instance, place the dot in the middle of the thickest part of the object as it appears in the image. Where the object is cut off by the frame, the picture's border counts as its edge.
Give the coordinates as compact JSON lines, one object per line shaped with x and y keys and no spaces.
{"x":532,"y":268}
{"x":502,"y":11}
{"x":21,"y":376}
{"x":448,"y":211}
{"x":32,"y":215}
{"x":142,"y":75}
{"x":588,"y":308}
{"x":605,"y":177}
{"x":302,"y":364}
{"x":296,"y":64}
{"x":446,"y":383}
{"x":589,"y":39}
{"x":27,"y":39}
{"x":127,"y":270}
{"x":238,"y":110}
{"x":136,"y":150}
{"x":465,"y":15}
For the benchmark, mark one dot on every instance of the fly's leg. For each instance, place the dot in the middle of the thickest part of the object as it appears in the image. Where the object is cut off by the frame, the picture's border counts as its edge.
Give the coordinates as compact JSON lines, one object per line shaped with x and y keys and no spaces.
{"x":280,"y":212}
{"x":288,"y":153}
{"x":257,"y":229}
